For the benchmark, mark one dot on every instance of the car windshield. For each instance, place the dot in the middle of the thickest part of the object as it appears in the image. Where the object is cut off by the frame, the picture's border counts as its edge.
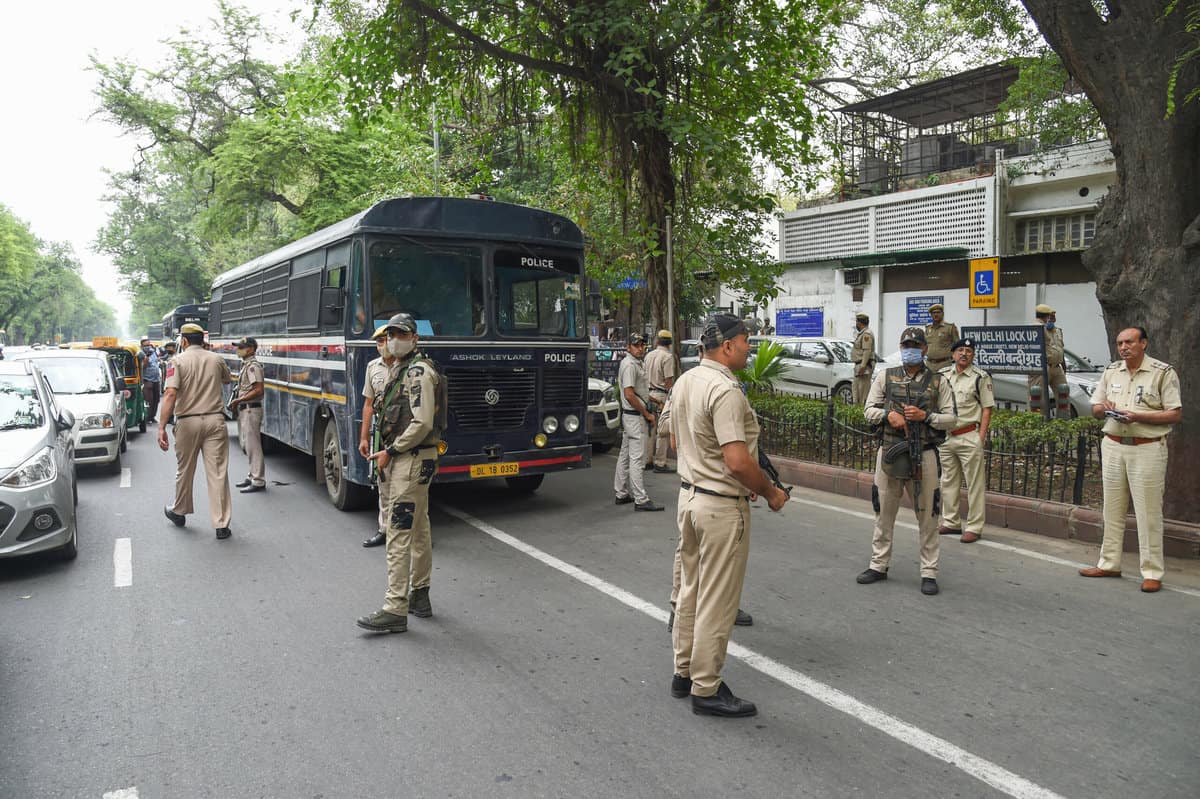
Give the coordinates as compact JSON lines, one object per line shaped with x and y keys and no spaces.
{"x":538,"y":294}
{"x":19,"y":403}
{"x":76,"y":375}
{"x":1077,"y":364}
{"x":840,"y":350}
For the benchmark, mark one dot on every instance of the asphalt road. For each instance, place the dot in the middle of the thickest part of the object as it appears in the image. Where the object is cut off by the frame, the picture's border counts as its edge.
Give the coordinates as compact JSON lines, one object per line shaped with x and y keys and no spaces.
{"x":234,"y":668}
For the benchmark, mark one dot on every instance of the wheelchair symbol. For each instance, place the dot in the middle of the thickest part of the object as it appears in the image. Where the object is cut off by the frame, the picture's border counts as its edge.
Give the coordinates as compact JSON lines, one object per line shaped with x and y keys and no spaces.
{"x":983,"y":282}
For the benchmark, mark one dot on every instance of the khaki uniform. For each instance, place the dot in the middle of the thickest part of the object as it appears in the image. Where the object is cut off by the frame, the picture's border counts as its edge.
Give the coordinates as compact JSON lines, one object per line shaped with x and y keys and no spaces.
{"x":940,"y":339}
{"x":249,"y":420}
{"x":962,"y":452}
{"x":1133,"y":470}
{"x":708,"y":410}
{"x":889,"y":490}
{"x":863,"y":356}
{"x":379,"y":374}
{"x":1055,"y":366}
{"x":197,"y":376}
{"x":660,"y":367}
{"x":629,"y":479}
{"x":407,"y":431}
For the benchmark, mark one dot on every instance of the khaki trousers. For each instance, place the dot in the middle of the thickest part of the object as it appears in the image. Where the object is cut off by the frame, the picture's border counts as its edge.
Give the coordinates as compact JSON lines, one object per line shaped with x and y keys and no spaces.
{"x":962,"y":458}
{"x":861,"y":387}
{"x":203,"y":434}
{"x":1057,"y":377}
{"x":630,"y":478}
{"x":891,"y":491}
{"x":409,"y":551}
{"x":658,"y":442}
{"x":250,"y":437}
{"x":1136,"y":472}
{"x":714,"y":542}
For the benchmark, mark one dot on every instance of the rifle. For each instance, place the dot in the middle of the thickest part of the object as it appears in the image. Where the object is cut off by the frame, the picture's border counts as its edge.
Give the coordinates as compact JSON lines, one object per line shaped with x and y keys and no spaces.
{"x":913,"y":433}
{"x":771,"y":472}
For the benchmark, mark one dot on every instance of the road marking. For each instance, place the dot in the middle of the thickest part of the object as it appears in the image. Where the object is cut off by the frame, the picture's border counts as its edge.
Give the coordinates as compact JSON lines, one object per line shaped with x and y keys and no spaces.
{"x":123,"y":793}
{"x":122,"y":563}
{"x":126,"y":477}
{"x":983,"y":770}
{"x":1029,"y":553}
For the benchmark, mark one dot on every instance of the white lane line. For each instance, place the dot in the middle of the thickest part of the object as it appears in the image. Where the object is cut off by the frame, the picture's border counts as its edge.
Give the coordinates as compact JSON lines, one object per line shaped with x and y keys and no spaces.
{"x":984,"y":770}
{"x":122,"y":563}
{"x":983,"y":542}
{"x":123,"y":793}
{"x":126,"y":477}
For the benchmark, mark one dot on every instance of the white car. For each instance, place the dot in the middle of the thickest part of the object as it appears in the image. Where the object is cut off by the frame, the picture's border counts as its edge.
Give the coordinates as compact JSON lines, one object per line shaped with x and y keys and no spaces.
{"x":604,"y":415}
{"x":814,"y":366}
{"x":84,"y":382}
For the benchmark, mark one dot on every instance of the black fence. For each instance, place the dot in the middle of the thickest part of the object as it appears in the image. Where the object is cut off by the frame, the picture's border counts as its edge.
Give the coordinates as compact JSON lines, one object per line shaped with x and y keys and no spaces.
{"x":1063,"y":469}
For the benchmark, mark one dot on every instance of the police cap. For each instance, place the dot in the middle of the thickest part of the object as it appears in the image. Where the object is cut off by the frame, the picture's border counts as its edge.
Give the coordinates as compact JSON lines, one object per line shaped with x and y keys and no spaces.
{"x":963,"y":342}
{"x":380,"y":332}
{"x":191,"y":329}
{"x":665,"y":334}
{"x":937,"y":306}
{"x":636,"y":340}
{"x":913,"y":334}
{"x":403,"y":322}
{"x":1042,"y":309}
{"x":721,"y":327}
{"x":246,"y":342}
{"x":862,"y":317}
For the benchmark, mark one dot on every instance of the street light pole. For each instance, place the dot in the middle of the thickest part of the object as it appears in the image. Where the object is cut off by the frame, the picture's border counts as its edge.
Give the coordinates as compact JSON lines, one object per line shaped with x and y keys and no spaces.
{"x":670,"y":325}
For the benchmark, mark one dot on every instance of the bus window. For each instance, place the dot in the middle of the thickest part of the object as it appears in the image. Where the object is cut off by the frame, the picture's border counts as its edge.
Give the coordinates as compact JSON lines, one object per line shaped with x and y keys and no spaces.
{"x":538,"y":296}
{"x":357,"y":293}
{"x":440,"y":285}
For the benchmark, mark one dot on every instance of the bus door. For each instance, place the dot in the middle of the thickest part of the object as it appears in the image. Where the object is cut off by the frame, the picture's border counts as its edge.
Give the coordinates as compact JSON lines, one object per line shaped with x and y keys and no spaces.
{"x":334,"y":380}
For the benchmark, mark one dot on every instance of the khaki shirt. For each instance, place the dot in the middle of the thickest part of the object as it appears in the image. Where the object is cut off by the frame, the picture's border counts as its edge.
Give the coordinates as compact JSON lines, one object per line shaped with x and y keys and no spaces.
{"x":863,"y":352}
{"x":944,"y":418}
{"x":632,"y":374}
{"x":251,"y":374}
{"x":707,"y":410}
{"x":660,"y":367}
{"x":970,"y":404}
{"x":1054,"y":347}
{"x":379,"y":374}
{"x":420,"y":385}
{"x":197,"y":376}
{"x":1154,"y":386}
{"x":940,"y":339}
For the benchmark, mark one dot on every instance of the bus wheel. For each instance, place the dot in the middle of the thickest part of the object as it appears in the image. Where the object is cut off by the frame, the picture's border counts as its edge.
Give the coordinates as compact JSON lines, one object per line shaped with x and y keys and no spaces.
{"x":344,"y":494}
{"x":526,"y":484}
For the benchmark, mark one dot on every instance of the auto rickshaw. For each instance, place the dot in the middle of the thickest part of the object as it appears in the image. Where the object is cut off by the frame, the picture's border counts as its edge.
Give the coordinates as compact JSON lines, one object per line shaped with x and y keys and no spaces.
{"x":130,"y":366}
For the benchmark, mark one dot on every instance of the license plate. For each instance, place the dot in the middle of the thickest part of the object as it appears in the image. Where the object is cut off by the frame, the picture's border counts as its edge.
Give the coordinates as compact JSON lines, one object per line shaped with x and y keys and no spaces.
{"x":495,"y":469}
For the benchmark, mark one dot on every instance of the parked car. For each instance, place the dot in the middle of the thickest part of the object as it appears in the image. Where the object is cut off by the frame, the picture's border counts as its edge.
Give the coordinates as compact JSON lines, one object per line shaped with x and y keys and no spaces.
{"x":689,"y":354}
{"x":86,"y":383}
{"x":1012,"y":390}
{"x":604,"y":415}
{"x":813,"y":366}
{"x":37,"y":473}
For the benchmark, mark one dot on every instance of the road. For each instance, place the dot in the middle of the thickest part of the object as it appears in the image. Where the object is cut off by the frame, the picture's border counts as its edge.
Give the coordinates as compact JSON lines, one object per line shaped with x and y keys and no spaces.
{"x":191,"y":667}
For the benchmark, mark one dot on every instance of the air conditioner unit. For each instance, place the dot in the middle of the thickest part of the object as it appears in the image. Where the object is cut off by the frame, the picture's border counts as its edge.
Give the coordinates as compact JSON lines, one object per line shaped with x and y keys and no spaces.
{"x":856,"y":277}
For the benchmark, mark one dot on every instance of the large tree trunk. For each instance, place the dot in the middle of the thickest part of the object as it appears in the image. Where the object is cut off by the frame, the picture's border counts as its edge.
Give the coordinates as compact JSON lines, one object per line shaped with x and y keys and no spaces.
{"x":1146,"y":254}
{"x":657,"y":188}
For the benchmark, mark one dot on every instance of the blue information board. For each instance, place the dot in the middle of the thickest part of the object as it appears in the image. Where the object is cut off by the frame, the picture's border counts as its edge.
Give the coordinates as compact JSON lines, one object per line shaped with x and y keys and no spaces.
{"x":917,"y":310}
{"x":800,"y":321}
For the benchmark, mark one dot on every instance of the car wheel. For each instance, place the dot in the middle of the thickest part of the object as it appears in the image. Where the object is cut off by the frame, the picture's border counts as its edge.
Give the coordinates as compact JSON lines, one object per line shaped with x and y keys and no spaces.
{"x":525,"y":484}
{"x":124,"y":442}
{"x":844,"y":392}
{"x":69,"y":550}
{"x":114,"y":466}
{"x":74,"y":492}
{"x":142,"y":426}
{"x":601,"y":447}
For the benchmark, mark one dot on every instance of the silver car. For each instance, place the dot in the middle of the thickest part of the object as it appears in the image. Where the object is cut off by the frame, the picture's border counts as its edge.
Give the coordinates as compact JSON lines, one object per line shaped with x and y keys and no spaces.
{"x":604,"y":415}
{"x":84,"y":382}
{"x":37,"y":475}
{"x":814,"y":367}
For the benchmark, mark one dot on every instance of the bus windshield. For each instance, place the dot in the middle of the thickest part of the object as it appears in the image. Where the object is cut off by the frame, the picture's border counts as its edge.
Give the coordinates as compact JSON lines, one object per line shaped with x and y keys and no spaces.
{"x":538,"y":295}
{"x":441,"y":285}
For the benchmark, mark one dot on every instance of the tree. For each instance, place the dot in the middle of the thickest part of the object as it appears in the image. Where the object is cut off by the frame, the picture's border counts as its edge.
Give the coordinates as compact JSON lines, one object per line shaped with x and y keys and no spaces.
{"x":18,"y":261}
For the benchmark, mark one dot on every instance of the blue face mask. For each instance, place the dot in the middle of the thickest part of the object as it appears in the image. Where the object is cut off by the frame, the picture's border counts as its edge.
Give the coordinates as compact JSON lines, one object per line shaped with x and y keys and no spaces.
{"x":911,"y":356}
{"x":1049,"y":325}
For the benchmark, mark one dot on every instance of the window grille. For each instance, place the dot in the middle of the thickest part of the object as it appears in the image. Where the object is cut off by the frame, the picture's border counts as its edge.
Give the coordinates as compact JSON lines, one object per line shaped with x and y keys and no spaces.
{"x":1058,"y":232}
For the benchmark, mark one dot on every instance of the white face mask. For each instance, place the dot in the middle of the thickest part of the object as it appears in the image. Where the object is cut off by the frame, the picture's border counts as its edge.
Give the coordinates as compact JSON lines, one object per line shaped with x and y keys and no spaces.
{"x":399,"y":347}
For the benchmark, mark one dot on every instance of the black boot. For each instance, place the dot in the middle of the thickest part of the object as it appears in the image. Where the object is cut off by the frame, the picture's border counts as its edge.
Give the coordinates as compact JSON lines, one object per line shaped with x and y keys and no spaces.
{"x":722,"y":703}
{"x":418,"y":603}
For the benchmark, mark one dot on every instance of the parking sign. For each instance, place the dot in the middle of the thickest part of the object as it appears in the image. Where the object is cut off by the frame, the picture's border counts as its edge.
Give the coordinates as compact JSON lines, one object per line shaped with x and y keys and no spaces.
{"x":984,"y":282}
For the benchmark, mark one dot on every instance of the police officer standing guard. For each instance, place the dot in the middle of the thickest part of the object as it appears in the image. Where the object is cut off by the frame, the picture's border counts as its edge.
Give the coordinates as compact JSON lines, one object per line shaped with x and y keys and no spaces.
{"x":716,"y":433}
{"x":633,"y":390}
{"x":192,"y":393}
{"x":863,"y":357}
{"x":1138,"y":397}
{"x":410,"y":426}
{"x":660,"y":375}
{"x":905,"y":400}
{"x":962,"y":454}
{"x":380,"y":372}
{"x":939,"y":335}
{"x":1055,"y":358}
{"x":248,"y":406}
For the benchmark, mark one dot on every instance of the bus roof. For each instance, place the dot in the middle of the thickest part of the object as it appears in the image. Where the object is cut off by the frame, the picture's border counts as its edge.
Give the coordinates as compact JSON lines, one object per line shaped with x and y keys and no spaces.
{"x":432,"y":216}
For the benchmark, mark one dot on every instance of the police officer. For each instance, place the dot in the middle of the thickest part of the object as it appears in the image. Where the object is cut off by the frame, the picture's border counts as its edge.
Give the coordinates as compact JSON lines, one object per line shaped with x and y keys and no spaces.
{"x":151,"y":377}
{"x":904,"y":394}
{"x":380,"y":372}
{"x":939,"y":334}
{"x":962,"y":453}
{"x":1138,"y":397}
{"x":248,"y":406}
{"x":660,"y":375}
{"x":192,"y":393}
{"x":634,"y":391}
{"x":863,"y":357}
{"x":169,"y":350}
{"x":410,"y":426}
{"x":1056,"y":365}
{"x":716,"y":434}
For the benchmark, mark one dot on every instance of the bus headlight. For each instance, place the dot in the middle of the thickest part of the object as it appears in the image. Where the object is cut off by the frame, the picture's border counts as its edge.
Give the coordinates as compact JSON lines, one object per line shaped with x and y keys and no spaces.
{"x":550,"y":425}
{"x":442,"y":446}
{"x":540,"y":440}
{"x":571,"y":423}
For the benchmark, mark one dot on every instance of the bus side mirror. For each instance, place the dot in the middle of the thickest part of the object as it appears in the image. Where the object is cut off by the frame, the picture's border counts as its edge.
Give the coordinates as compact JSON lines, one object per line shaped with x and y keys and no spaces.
{"x":332,"y":305}
{"x":593,"y":298}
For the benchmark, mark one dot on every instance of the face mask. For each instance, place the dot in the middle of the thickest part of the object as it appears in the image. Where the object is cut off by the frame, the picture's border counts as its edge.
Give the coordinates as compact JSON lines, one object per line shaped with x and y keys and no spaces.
{"x":1049,"y":325}
{"x":398,"y":347}
{"x":911,"y":356}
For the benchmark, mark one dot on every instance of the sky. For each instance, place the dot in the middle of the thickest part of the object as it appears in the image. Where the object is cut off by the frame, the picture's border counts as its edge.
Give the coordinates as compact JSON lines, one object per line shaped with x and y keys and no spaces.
{"x":53,"y":150}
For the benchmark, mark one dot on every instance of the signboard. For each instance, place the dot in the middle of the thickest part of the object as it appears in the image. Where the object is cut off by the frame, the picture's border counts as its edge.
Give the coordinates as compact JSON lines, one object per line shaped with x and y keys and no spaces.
{"x":631,"y":283}
{"x":984,"y":282}
{"x":917,"y":309}
{"x":1009,"y":348}
{"x":800,"y":321}
{"x":104,"y":341}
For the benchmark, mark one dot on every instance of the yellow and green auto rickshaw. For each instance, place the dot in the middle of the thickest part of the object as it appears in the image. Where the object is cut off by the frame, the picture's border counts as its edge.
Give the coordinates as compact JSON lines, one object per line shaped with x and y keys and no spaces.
{"x":129,"y":364}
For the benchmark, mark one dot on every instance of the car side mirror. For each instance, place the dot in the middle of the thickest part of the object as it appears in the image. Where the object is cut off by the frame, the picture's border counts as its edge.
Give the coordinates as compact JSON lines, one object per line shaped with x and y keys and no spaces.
{"x":66,"y":419}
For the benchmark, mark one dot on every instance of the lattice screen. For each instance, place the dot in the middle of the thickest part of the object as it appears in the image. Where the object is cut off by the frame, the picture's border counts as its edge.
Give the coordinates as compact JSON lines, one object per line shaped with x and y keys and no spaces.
{"x":833,"y":235}
{"x":952,"y":219}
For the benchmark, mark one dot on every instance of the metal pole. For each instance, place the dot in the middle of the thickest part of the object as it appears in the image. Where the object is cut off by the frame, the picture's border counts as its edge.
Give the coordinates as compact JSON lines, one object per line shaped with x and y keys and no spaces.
{"x":670,"y":325}
{"x":437,"y":155}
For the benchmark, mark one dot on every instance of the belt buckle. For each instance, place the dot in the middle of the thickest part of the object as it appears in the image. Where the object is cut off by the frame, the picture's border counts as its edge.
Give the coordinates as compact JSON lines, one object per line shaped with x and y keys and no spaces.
{"x":1128,"y":441}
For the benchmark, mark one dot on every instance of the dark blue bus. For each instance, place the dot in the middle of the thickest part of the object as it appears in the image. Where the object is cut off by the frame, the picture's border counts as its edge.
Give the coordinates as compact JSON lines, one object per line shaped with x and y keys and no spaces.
{"x":182,"y":315}
{"x":497,"y":291}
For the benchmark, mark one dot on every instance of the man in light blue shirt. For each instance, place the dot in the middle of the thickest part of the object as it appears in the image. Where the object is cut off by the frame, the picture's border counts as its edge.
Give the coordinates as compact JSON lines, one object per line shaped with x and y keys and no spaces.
{"x":151,"y":379}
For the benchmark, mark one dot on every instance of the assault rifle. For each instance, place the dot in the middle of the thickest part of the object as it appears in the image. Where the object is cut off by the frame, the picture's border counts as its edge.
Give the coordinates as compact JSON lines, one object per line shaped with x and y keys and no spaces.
{"x":911,"y":445}
{"x":771,"y":472}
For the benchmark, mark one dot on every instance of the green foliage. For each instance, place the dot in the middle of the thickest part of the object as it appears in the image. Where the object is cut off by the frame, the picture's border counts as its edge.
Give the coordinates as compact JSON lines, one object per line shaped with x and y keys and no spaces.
{"x":763,"y":367}
{"x":1187,"y":58}
{"x":1045,"y":106}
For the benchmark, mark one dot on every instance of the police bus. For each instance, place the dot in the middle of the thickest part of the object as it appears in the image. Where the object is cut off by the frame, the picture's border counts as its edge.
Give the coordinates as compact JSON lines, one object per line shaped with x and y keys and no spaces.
{"x":497,"y":292}
{"x":181,"y":316}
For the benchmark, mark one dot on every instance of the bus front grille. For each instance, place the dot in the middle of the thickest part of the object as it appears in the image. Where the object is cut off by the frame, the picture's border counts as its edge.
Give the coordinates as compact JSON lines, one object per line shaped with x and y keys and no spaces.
{"x":561,"y":388}
{"x":490,"y":399}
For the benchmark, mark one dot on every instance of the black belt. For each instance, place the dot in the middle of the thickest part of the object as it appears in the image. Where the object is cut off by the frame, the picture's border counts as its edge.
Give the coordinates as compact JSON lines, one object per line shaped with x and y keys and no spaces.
{"x":249,"y":404}
{"x":659,"y":390}
{"x":686,"y":486}
{"x":631,"y":413}
{"x":190,"y":415}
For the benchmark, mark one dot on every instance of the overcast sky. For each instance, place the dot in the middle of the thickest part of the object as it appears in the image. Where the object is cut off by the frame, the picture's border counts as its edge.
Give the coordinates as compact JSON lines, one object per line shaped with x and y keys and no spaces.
{"x":52,"y":152}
